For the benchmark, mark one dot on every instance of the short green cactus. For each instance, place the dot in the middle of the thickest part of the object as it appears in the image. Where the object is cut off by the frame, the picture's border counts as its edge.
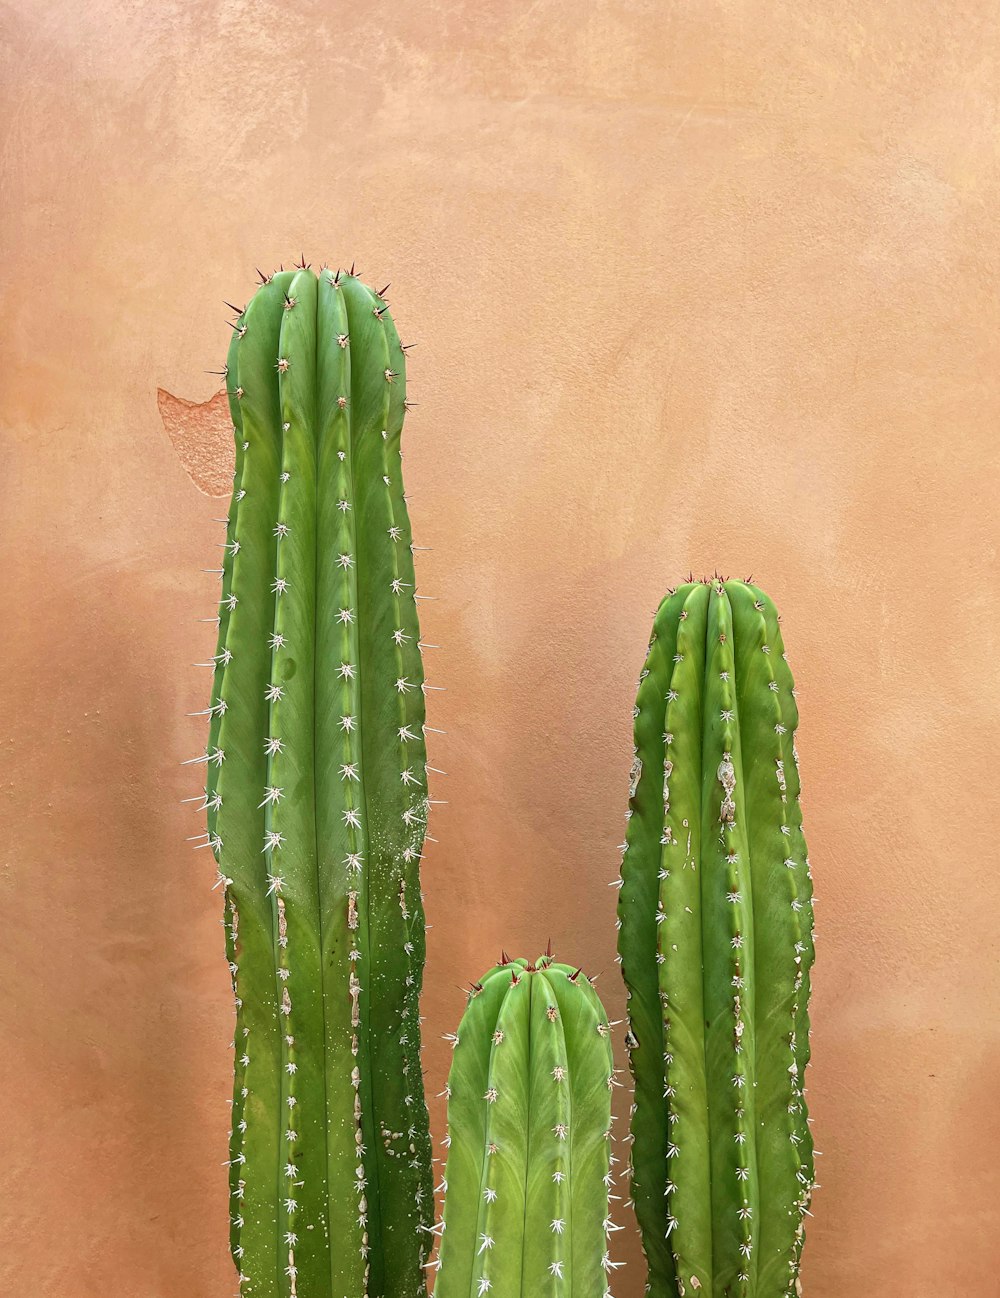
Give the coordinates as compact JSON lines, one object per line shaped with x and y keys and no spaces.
{"x":529,"y":1128}
{"x":317,"y":801}
{"x":715,"y":920}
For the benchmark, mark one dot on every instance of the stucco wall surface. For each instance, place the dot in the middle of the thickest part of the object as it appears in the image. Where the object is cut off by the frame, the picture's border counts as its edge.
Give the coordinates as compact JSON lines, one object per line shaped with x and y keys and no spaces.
{"x":698,"y":284}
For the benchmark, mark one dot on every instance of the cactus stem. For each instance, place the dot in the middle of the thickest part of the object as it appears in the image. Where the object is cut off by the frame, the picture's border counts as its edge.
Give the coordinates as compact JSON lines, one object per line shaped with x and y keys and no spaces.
{"x":733,"y":841}
{"x":281,"y":925}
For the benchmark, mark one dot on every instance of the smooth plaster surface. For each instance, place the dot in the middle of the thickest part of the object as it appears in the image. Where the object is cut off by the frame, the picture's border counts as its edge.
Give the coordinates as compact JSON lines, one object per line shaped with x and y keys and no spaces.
{"x":695,"y":285}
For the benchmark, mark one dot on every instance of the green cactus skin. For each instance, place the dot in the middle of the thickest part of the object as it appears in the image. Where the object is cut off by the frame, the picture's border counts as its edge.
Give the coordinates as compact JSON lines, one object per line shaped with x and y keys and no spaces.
{"x":316,"y":800}
{"x":528,"y":1177}
{"x":715,"y":941}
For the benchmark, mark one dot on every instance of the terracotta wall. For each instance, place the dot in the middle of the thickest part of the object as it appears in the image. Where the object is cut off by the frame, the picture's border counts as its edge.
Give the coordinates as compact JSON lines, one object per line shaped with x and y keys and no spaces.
{"x":699,"y":284}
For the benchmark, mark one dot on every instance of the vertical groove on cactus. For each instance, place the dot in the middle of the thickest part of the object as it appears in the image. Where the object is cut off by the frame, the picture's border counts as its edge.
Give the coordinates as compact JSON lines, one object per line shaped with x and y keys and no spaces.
{"x":528,"y":1178}
{"x":316,"y":799}
{"x":715,"y":940}
{"x":211,"y":807}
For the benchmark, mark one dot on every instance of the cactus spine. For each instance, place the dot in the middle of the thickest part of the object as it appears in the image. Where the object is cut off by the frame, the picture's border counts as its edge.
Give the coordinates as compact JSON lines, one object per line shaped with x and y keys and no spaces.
{"x":317,"y":800}
{"x":529,"y":1127}
{"x":715,"y":939}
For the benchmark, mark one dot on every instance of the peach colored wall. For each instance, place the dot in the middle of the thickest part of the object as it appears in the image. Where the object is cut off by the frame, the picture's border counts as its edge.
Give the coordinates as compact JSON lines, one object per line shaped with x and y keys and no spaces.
{"x":701,"y":283}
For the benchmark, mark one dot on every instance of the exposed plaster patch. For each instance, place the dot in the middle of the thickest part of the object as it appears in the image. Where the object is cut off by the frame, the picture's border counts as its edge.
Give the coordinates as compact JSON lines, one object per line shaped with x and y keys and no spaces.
{"x":202,"y":436}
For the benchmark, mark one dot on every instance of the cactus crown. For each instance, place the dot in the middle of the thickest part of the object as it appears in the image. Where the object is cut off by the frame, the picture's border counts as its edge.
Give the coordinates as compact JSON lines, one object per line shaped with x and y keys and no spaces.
{"x":715,"y":920}
{"x":529,"y":1128}
{"x":317,"y":800}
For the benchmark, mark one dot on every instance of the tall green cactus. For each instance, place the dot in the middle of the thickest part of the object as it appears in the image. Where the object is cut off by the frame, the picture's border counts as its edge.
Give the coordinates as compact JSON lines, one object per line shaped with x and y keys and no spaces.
{"x":529,"y":1127}
{"x":317,"y":801}
{"x":715,"y":940}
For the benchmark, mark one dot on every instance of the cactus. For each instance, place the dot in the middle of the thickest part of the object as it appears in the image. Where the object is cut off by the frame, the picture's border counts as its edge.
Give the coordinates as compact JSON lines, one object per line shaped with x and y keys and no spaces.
{"x":715,"y":941}
{"x":528,"y":1176}
{"x":317,"y":800}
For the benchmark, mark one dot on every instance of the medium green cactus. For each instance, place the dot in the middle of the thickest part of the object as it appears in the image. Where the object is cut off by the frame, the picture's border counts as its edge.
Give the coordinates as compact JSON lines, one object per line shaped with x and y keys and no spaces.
{"x":317,"y":801}
{"x":529,"y":1128}
{"x":715,"y":940}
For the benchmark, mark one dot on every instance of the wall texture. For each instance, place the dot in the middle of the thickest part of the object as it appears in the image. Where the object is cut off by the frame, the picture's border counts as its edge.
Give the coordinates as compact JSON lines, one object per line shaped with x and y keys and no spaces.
{"x":698,"y":284}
